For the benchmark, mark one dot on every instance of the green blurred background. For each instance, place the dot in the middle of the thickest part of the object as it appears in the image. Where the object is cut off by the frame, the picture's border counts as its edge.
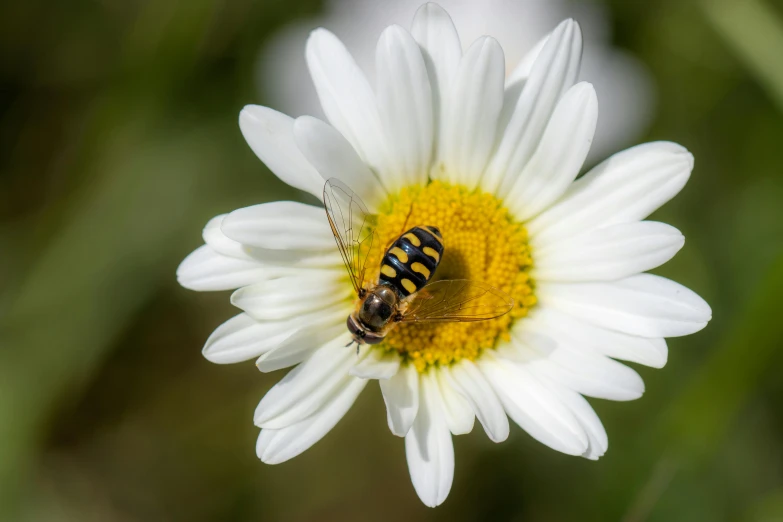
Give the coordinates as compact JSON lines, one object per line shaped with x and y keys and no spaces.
{"x":119,"y":139}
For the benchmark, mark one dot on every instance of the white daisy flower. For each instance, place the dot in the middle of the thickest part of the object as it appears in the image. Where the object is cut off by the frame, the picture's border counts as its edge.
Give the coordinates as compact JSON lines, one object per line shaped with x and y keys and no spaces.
{"x":445,"y":140}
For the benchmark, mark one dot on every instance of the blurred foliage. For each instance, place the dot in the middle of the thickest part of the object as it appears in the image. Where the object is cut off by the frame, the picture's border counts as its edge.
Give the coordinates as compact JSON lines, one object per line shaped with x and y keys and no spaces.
{"x":119,"y":141}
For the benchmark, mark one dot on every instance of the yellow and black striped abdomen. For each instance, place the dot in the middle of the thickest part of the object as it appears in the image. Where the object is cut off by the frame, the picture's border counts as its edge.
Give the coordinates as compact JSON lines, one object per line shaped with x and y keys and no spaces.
{"x":412,"y":259}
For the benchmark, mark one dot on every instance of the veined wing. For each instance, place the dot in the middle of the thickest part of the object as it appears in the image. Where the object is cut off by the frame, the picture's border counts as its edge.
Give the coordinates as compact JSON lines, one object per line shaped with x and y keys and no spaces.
{"x":351,"y":226}
{"x":457,"y":300}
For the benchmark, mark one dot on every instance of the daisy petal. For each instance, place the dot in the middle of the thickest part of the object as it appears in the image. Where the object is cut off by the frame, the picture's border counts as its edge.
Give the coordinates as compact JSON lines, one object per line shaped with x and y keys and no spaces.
{"x":589,"y":373}
{"x":242,"y":338}
{"x":281,"y":298}
{"x":627,"y":187}
{"x":471,"y":114}
{"x":525,"y":66}
{"x":307,"y":387}
{"x":280,"y":225}
{"x":405,"y":104}
{"x":584,"y":413}
{"x":458,"y":412}
{"x":271,"y":136}
{"x":276,"y":446}
{"x":334,"y":157}
{"x":642,"y":350}
{"x":216,"y":240}
{"x":560,"y":154}
{"x":534,"y":408}
{"x":429,"y":449}
{"x":553,"y":72}
{"x":346,"y":97}
{"x":305,"y":334}
{"x":206,"y":270}
{"x":435,"y":33}
{"x":468,"y":380}
{"x":644,"y":304}
{"x":377,"y":365}
{"x":292,"y":261}
{"x":608,"y":253}
{"x":401,"y":395}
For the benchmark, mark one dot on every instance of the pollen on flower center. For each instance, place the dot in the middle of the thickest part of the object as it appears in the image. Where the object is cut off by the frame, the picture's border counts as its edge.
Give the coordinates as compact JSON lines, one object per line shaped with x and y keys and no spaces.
{"x":482,"y":243}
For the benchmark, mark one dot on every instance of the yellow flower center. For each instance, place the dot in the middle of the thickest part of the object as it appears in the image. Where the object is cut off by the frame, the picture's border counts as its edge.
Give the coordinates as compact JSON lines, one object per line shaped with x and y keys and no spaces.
{"x":482,"y":243}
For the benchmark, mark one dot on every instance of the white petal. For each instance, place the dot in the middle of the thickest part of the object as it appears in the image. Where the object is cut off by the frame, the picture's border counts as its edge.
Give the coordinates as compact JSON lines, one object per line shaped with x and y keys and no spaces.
{"x":647,"y":351}
{"x":471,"y":114}
{"x":644,"y":304}
{"x":291,"y":261}
{"x":533,"y":407}
{"x":334,"y":157}
{"x":554,"y":71}
{"x":307,"y":387}
{"x":560,"y":154}
{"x":429,"y":449}
{"x":280,"y":262}
{"x":271,"y":136}
{"x":457,"y":409}
{"x":346,"y":97}
{"x":589,"y":373}
{"x":290,"y":296}
{"x":436,"y":35}
{"x":280,"y":225}
{"x":405,"y":105}
{"x":401,"y":395}
{"x":242,"y":338}
{"x":379,"y":364}
{"x":469,"y":381}
{"x":276,"y":446}
{"x":306,"y":333}
{"x":627,"y":187}
{"x":608,"y":253}
{"x":204,"y":270}
{"x":215,"y":238}
{"x":525,"y":66}
{"x":584,"y":413}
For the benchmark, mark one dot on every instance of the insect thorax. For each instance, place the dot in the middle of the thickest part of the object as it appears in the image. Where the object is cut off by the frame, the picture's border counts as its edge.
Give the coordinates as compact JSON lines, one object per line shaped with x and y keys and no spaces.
{"x":378,"y":307}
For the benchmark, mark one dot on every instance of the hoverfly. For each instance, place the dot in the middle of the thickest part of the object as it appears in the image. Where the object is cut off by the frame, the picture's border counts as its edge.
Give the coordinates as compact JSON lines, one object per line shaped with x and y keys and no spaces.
{"x":401,"y":293}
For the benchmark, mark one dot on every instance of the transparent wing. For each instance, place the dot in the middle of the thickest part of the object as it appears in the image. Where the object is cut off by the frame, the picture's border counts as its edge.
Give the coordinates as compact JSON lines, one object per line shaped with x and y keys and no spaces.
{"x":457,"y":300}
{"x":352,"y":229}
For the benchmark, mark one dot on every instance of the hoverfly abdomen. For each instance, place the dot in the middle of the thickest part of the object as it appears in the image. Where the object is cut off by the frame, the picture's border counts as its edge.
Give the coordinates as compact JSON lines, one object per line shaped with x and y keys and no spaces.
{"x":410,"y":261}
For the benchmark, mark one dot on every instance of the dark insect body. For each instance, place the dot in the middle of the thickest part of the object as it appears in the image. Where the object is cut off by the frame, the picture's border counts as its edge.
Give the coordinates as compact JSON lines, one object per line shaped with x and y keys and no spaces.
{"x":403,"y":292}
{"x":410,"y":261}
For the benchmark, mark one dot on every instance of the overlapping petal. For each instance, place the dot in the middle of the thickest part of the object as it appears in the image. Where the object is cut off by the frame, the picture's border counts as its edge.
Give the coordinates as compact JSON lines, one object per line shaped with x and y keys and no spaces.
{"x":306,"y":388}
{"x":441,"y":49}
{"x":271,"y":136}
{"x":405,"y":105}
{"x":279,"y":445}
{"x":470,"y":114}
{"x":554,"y":70}
{"x":333,"y":157}
{"x":645,"y":305}
{"x":627,"y":187}
{"x":401,"y":395}
{"x":559,"y":155}
{"x":429,"y":449}
{"x":608,"y":253}
{"x":280,"y":225}
{"x":347,"y":98}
